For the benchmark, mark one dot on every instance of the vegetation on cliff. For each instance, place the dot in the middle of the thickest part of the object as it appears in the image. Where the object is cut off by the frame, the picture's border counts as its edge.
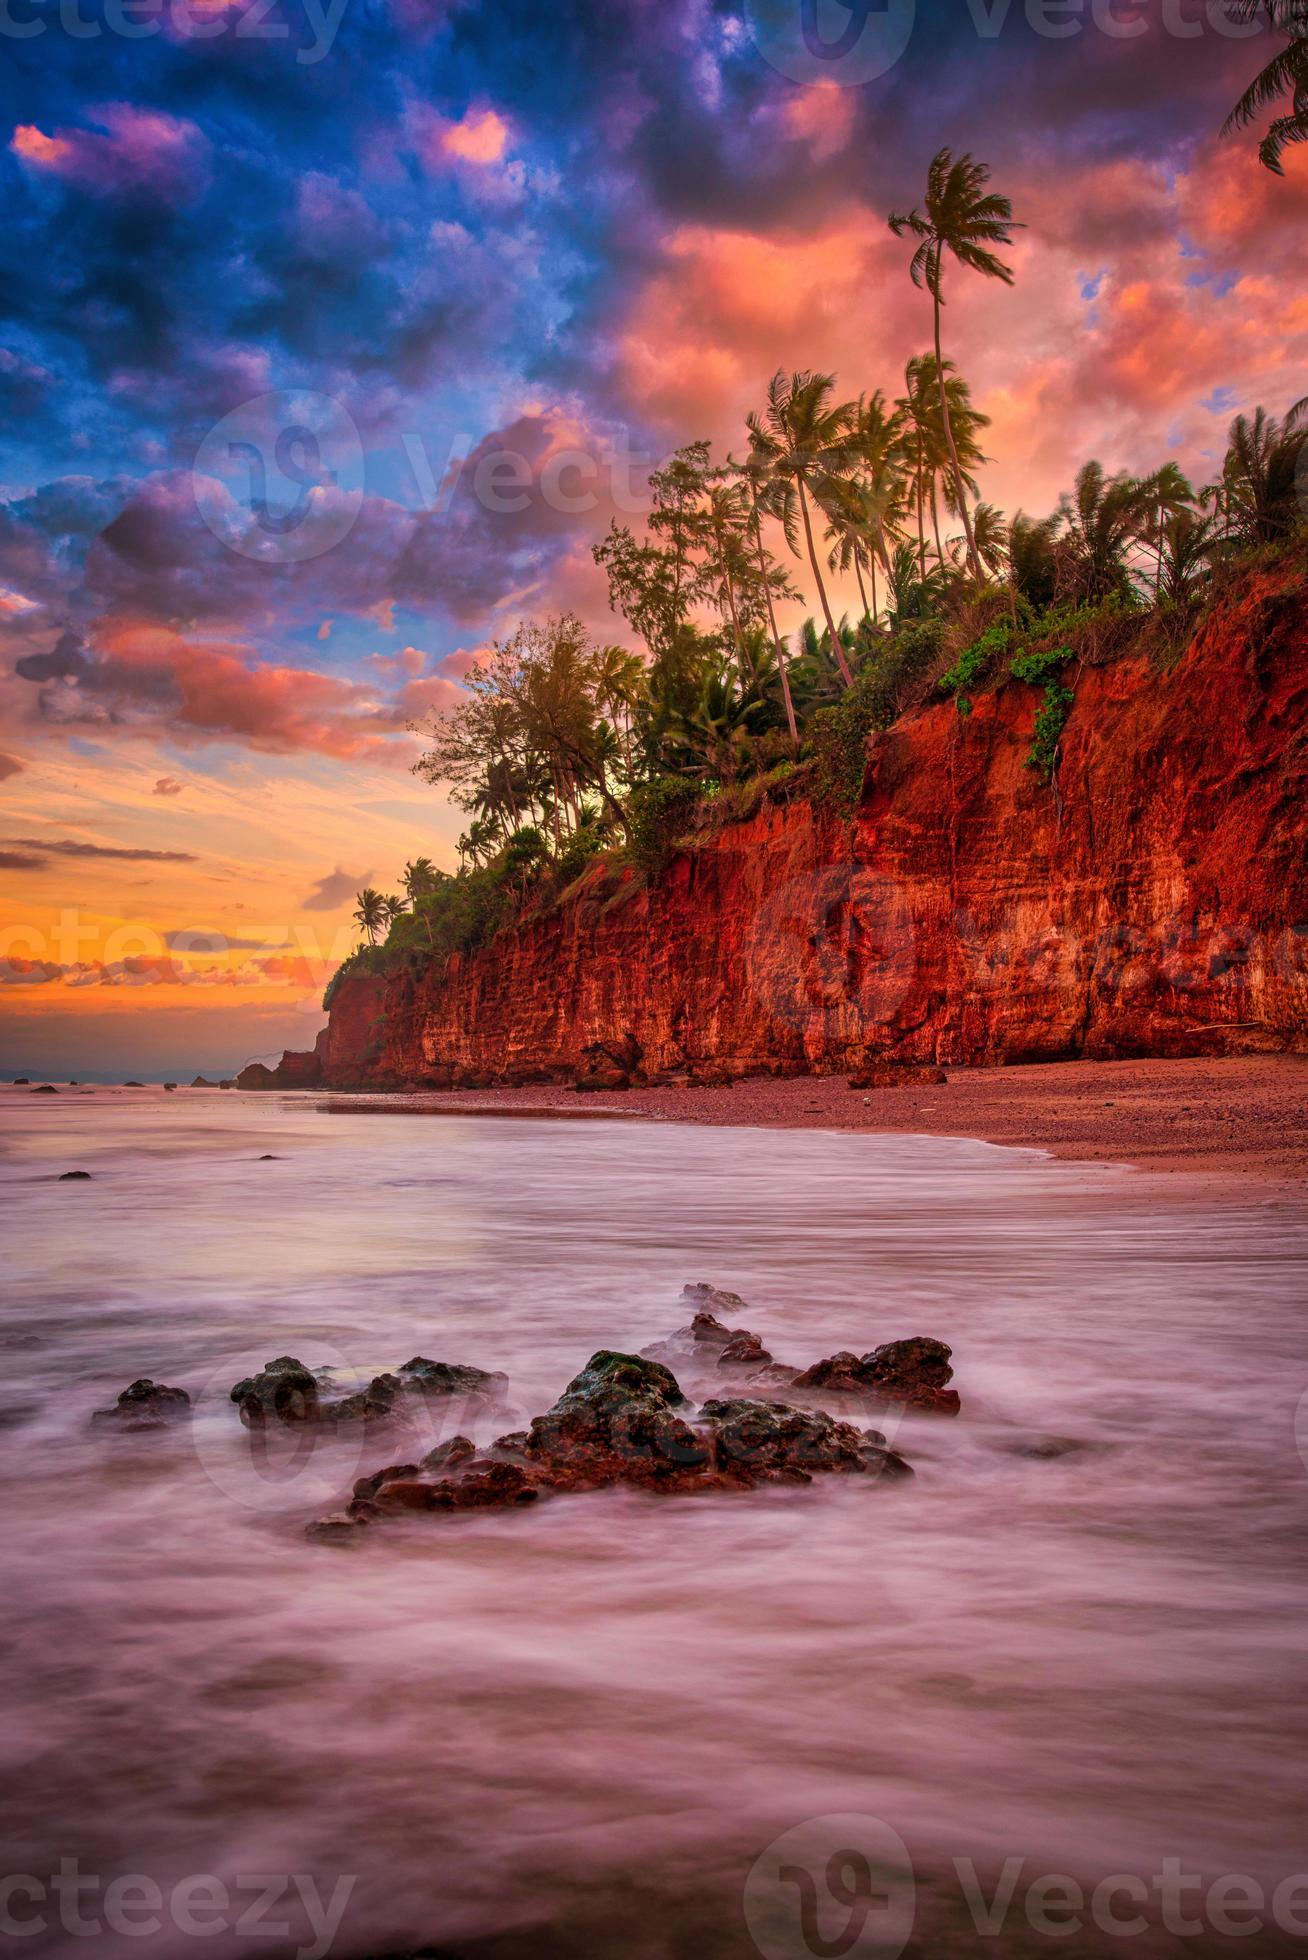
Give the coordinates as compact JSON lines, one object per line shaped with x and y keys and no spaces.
{"x":565,"y":749}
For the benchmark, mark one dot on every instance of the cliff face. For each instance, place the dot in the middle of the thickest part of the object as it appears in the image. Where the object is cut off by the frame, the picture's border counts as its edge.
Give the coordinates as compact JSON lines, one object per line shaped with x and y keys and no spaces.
{"x":1154,"y":902}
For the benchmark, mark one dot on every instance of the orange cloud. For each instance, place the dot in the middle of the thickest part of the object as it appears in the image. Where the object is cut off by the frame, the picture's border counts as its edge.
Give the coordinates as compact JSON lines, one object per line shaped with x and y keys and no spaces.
{"x":480,"y":137}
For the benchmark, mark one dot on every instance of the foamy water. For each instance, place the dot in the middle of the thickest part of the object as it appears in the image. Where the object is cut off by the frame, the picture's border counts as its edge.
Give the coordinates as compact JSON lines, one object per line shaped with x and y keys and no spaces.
{"x":576,"y":1730}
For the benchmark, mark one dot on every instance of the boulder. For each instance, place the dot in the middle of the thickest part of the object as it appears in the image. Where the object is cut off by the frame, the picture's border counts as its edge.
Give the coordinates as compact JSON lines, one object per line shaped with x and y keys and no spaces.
{"x":170,"y":1085}
{"x":770,"y":1441}
{"x":46,"y":1089}
{"x":708,"y":1340}
{"x":619,"y":1420}
{"x":133,"y":1085}
{"x":74,"y":1177}
{"x":283,"y":1391}
{"x":906,"y":1374}
{"x":22,"y":1081}
{"x":256,"y":1076}
{"x":435,"y":1379}
{"x":145,"y":1405}
{"x":202,"y":1082}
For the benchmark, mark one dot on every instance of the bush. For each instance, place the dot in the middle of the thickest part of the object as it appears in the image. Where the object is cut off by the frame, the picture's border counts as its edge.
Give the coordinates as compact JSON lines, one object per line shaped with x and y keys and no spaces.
{"x":839,"y":736}
{"x":658,"y":812}
{"x":973,"y":662}
{"x":1042,"y":668}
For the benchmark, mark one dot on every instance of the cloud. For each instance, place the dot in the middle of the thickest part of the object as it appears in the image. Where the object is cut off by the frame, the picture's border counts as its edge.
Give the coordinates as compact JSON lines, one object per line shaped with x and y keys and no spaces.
{"x":9,"y":766}
{"x":20,"y":861}
{"x":126,"y":151}
{"x":335,"y":890}
{"x":167,"y":786}
{"x":73,"y":848}
{"x":205,"y":940}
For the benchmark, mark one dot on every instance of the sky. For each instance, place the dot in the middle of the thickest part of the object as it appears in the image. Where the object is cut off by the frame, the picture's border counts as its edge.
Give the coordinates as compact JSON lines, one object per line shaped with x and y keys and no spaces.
{"x":336,"y":332}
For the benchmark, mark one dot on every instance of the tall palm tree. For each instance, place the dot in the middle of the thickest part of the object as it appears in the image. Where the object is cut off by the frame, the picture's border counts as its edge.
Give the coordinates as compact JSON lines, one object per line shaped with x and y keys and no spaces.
{"x":370,"y":912}
{"x":1285,"y":74}
{"x":770,"y":496}
{"x":806,"y":439}
{"x":960,"y":217}
{"x":419,"y":877}
{"x":1188,"y":543}
{"x":393,"y":908}
{"x":1167,"y":493}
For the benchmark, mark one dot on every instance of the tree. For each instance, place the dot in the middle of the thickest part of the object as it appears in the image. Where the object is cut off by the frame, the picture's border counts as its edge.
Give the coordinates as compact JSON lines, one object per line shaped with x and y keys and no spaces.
{"x":393,"y":908}
{"x":1187,"y":543}
{"x":771,"y":495}
{"x":960,"y":217}
{"x":370,"y":912}
{"x":420,"y":877}
{"x":1167,"y":492}
{"x":806,"y":441}
{"x":1101,"y":518}
{"x":1285,"y":74}
{"x":1260,"y":477}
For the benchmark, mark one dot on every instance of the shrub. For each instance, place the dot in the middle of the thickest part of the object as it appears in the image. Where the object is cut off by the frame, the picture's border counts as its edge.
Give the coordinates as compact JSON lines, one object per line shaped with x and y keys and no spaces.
{"x":658,"y":812}
{"x":1042,"y":668}
{"x":839,"y":735}
{"x":973,"y":662}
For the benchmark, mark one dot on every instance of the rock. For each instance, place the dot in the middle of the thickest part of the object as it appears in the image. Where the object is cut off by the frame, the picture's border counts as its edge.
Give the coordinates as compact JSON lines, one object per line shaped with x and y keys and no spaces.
{"x":709,"y":1076}
{"x":896,"y":1075}
{"x":339,"y":1526}
{"x":256,"y":1076}
{"x":618,"y":1420}
{"x":743,"y":1350}
{"x":46,"y":1089}
{"x":284,"y":1390}
{"x":765,"y":1441}
{"x":268,"y":1158}
{"x":375,"y":1403}
{"x":708,"y":1338}
{"x":170,"y":1085}
{"x":202,"y":1082}
{"x":146,"y":1405}
{"x":133,"y":1085}
{"x":22,"y":1081}
{"x":74,"y":1177}
{"x":908,"y":1374}
{"x":448,"y":1378}
{"x":229,"y":1083}
{"x":607,"y":1081}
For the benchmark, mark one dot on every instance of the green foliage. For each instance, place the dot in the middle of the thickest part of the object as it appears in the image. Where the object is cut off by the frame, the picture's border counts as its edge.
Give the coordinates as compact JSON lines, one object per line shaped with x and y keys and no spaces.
{"x":1049,"y":726}
{"x":1041,"y":668}
{"x":974,"y":661}
{"x":1038,"y":666}
{"x":840,"y":734}
{"x":657,"y":813}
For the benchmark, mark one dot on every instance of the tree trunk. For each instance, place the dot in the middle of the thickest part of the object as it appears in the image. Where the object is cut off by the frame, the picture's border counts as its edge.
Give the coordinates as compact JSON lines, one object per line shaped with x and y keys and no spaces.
{"x":972,"y":559}
{"x":837,"y":650}
{"x":858,"y":574}
{"x":776,"y":637}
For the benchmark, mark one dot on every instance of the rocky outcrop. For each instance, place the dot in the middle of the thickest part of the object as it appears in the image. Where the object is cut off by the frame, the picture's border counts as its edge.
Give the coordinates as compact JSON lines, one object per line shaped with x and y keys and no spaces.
{"x":285,"y":1391}
{"x":622,"y":1421}
{"x":145,"y":1405}
{"x":1154,"y":900}
{"x":297,"y":1069}
{"x":909,"y":1374}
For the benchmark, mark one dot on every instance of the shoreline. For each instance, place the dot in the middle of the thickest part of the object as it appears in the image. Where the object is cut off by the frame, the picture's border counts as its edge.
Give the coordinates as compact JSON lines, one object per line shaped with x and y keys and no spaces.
{"x":1244,"y":1115}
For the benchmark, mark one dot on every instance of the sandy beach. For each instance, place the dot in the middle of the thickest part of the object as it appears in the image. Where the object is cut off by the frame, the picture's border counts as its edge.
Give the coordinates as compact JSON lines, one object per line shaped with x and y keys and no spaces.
{"x":1214,"y":1119}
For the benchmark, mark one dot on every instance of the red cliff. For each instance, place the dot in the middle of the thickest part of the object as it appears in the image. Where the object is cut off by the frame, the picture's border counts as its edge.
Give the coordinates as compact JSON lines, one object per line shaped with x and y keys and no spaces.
{"x":1154,"y":901}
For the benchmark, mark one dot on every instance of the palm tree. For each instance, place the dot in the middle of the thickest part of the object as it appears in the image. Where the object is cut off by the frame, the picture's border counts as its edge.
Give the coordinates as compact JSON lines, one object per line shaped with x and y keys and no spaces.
{"x":961,"y":217}
{"x":1187,"y":544}
{"x":420,"y":877}
{"x":370,"y":913}
{"x":806,"y":441}
{"x":771,"y":496}
{"x":1261,"y":474}
{"x":1167,"y":492}
{"x":1102,"y":516}
{"x":1285,"y":74}
{"x":393,"y":908}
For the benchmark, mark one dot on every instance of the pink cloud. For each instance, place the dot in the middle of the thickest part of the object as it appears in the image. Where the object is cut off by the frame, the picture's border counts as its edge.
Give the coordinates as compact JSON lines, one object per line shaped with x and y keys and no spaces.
{"x":127,"y":150}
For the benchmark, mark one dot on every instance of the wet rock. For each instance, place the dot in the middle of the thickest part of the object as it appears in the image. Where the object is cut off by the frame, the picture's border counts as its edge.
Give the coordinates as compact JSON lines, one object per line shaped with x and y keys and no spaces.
{"x":339,"y":1527}
{"x":146,"y":1405}
{"x":450,"y":1378}
{"x":74,"y":1177}
{"x":608,"y":1081}
{"x":619,"y":1420}
{"x":897,"y":1075}
{"x":708,"y":1340}
{"x":767,"y":1441}
{"x":229,"y":1082}
{"x":133,"y":1085}
{"x":22,"y":1081}
{"x":170,"y":1085}
{"x":268,"y":1158}
{"x":284,"y":1391}
{"x":743,"y":1350}
{"x":375,"y":1403}
{"x":201,"y":1082}
{"x":907,"y":1374}
{"x":46,"y":1089}
{"x":622,"y":1420}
